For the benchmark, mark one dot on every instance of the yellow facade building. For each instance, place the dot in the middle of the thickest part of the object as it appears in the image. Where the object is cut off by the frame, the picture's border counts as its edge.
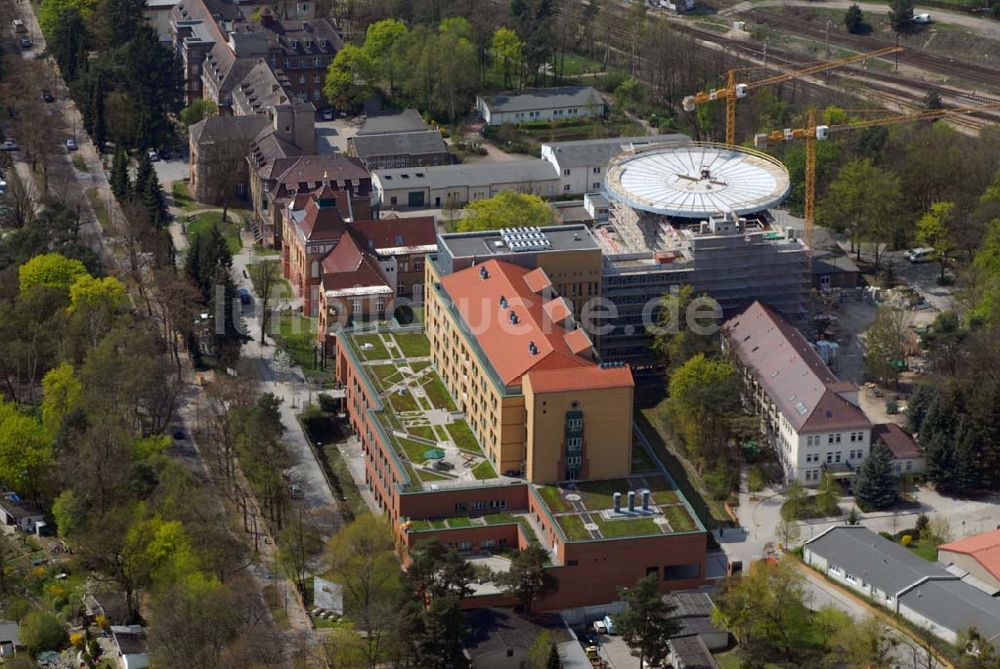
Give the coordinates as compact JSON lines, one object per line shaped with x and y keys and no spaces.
{"x":508,"y":347}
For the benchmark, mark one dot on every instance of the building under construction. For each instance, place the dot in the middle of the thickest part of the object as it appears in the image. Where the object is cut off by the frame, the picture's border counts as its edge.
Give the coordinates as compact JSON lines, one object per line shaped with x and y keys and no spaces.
{"x":695,"y":214}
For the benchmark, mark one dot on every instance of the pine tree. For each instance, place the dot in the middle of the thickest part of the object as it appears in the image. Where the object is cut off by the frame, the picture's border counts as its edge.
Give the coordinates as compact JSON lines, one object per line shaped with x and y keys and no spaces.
{"x":100,"y":125}
{"x":875,"y":483}
{"x":152,"y":200}
{"x":143,"y":172}
{"x":965,"y":474}
{"x":120,"y":184}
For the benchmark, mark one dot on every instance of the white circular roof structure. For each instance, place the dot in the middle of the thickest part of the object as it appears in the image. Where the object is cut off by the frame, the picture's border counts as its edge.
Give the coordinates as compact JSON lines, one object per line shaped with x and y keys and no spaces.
{"x":696,"y":180}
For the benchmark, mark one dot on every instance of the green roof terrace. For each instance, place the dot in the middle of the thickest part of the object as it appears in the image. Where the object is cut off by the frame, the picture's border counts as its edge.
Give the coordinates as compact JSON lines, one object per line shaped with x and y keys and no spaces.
{"x":432,"y":439}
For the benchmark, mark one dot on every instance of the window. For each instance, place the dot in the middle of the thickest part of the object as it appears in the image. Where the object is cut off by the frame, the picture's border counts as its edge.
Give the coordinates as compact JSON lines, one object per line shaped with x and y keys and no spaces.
{"x":573,"y":460}
{"x":829,"y":458}
{"x":837,"y":438}
{"x":566,"y":188}
{"x":317,"y":62}
{"x":574,"y":443}
{"x":380,"y":305}
{"x":574,"y":423}
{"x":837,"y":456}
{"x":596,"y":185}
{"x":315,"y":269}
{"x":829,"y":438}
{"x":596,"y":170}
{"x":355,"y":306}
{"x":401,"y":290}
{"x":566,"y":172}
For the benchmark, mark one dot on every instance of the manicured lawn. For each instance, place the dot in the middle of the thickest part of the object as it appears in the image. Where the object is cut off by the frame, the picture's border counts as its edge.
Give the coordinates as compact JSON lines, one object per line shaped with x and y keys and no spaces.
{"x":925,"y":549}
{"x":663,"y":491}
{"x":432,"y":476}
{"x":679,"y":518}
{"x":438,"y":395}
{"x":377,"y":350}
{"x":459,"y":521}
{"x":641,"y":461}
{"x":573,"y":528}
{"x":463,"y":437}
{"x":414,"y":449}
{"x":600,"y":494}
{"x":424,"y":431}
{"x":484,"y":470}
{"x":385,"y":375}
{"x":553,"y":498}
{"x":403,"y":402}
{"x":413,"y":344}
{"x":627,"y":528}
{"x":206,"y":220}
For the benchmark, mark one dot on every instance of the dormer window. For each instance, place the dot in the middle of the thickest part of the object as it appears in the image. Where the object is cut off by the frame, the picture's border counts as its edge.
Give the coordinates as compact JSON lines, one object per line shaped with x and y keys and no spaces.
{"x":323,"y":43}
{"x":309,"y":44}
{"x":295,"y":44}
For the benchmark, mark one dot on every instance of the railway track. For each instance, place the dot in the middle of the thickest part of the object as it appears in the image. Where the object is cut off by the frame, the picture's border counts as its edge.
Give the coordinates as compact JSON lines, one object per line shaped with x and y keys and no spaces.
{"x":921,"y":59}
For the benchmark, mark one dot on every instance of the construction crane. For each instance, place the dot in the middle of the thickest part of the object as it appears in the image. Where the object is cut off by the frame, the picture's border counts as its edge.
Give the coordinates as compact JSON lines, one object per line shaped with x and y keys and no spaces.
{"x":734,"y":91}
{"x":813,"y":133}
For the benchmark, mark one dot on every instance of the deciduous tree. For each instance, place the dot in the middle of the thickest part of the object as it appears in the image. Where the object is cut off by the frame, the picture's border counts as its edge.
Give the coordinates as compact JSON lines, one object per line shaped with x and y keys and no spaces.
{"x":504,"y":210}
{"x":528,"y":579}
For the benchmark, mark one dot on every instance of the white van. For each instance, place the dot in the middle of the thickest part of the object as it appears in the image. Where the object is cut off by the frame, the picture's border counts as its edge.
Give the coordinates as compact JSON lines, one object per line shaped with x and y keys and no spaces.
{"x":922,"y":18}
{"x":18,"y":26}
{"x":919,"y":255}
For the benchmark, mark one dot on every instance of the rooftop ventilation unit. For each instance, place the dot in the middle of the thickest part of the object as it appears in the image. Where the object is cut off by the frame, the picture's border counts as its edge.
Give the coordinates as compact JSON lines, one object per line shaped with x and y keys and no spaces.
{"x":525,"y":239}
{"x":503,"y":302}
{"x":532,"y":348}
{"x":513,"y":317}
{"x":483,"y":273}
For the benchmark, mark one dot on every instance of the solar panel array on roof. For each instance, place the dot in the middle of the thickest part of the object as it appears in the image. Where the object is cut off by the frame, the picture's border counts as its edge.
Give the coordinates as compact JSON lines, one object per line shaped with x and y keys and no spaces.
{"x":525,"y":239}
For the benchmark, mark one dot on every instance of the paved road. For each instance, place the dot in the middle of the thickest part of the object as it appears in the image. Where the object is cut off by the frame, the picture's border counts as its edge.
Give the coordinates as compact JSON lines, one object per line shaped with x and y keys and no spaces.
{"x":982,"y":25}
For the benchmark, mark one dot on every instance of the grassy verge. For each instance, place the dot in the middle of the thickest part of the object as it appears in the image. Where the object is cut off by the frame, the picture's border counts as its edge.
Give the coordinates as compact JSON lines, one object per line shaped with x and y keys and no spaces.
{"x":297,"y":336}
{"x":344,"y":487}
{"x":280,"y":290}
{"x":264,"y":251}
{"x":182,"y":197}
{"x":99,"y":206}
{"x":711,"y":513}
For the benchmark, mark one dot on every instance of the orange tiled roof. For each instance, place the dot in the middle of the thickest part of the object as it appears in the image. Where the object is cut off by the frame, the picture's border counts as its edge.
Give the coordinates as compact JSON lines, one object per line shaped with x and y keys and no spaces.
{"x":557,"y":309}
{"x":537,"y":280}
{"x":589,"y":378}
{"x":578,"y":341}
{"x":983,"y":548}
{"x":508,"y":345}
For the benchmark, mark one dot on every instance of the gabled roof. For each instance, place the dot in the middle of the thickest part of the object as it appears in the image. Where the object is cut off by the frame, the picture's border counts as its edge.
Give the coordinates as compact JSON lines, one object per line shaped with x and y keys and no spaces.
{"x":591,"y":377}
{"x":983,"y":548}
{"x":955,"y":605}
{"x":229,"y":129}
{"x":791,"y":372}
{"x":489,"y":297}
{"x":899,"y":442}
{"x":421,"y":143}
{"x":888,"y":566}
{"x":544,"y":98}
{"x":408,"y":120}
{"x":348,"y":270}
{"x":393,"y":236}
{"x":329,"y":168}
{"x":324,"y":223}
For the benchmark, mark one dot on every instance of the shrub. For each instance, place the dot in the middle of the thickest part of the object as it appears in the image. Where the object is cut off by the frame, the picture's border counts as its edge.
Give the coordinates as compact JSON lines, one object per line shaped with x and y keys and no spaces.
{"x":316,"y":423}
{"x":43,"y":631}
{"x":906,"y":540}
{"x":718,"y":483}
{"x":755,"y":479}
{"x":77,"y":639}
{"x":327,"y":403}
{"x":17,"y":608}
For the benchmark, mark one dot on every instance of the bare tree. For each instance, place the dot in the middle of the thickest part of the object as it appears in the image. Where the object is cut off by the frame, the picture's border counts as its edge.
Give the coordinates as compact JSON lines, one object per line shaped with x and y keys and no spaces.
{"x":265,"y":275}
{"x":21,"y":198}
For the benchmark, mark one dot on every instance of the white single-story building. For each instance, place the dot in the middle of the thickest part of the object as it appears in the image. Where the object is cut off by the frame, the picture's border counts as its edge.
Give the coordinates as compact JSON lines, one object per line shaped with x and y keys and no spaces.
{"x":581,"y":164}
{"x":924,"y":593}
{"x":436,"y":186}
{"x":18,"y":514}
{"x":130,"y":643}
{"x":10,"y":638}
{"x":541,"y":104}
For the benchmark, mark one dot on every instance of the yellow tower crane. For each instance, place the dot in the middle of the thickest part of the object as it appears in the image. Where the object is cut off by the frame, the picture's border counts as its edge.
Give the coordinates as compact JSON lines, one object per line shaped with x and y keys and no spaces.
{"x":737,"y":91}
{"x":813,"y":133}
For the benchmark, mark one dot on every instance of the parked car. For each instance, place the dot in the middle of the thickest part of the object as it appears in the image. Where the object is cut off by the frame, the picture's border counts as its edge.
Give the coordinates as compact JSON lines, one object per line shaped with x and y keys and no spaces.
{"x":3,"y":186}
{"x":71,"y":144}
{"x":327,"y":114}
{"x":294,"y":491}
{"x":179,"y":434}
{"x":26,"y":43}
{"x":244,"y":296}
{"x":8,"y":145}
{"x":47,"y":96}
{"x":609,"y":625}
{"x":600,"y":627}
{"x":922,"y":18}
{"x":919,"y":255}
{"x":153,"y":155}
{"x":588,"y":638}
